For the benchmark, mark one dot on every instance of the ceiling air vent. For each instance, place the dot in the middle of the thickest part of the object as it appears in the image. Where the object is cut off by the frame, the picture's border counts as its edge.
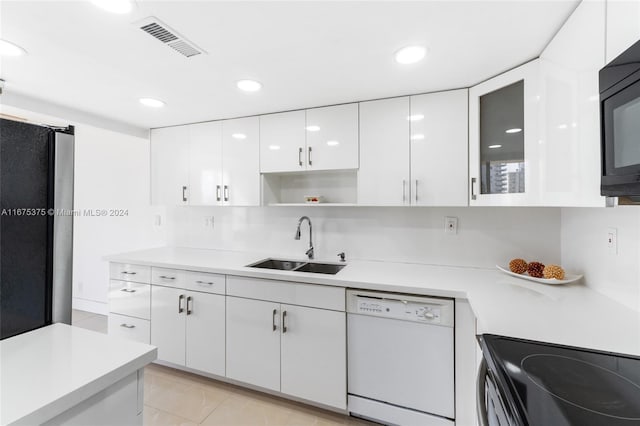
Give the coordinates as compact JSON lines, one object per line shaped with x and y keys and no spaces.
{"x":169,"y":37}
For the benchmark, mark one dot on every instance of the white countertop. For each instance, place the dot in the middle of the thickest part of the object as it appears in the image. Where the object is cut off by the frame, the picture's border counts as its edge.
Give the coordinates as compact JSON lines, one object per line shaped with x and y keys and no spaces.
{"x":49,"y":370}
{"x":572,"y":314}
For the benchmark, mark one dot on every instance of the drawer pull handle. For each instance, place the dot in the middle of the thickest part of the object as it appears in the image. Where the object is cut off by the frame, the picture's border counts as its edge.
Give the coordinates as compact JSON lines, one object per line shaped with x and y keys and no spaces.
{"x":164,"y":277}
{"x":284,"y":318}
{"x":204,"y":282}
{"x":127,"y":326}
{"x":180,"y":308}
{"x":128,"y":290}
{"x":128,"y":273}
{"x":189,"y":303}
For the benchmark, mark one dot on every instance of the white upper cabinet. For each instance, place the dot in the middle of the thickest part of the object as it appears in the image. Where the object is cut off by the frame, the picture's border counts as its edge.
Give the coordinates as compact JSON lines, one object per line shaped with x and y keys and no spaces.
{"x":282,"y":142}
{"x":241,"y":162}
{"x":316,"y":139}
{"x":623,"y":26}
{"x":439,"y":148}
{"x":170,"y":165}
{"x":413,"y":150}
{"x":383,"y":177}
{"x":569,"y":165}
{"x":205,"y":164}
{"x":503,"y":139}
{"x":332,"y":137}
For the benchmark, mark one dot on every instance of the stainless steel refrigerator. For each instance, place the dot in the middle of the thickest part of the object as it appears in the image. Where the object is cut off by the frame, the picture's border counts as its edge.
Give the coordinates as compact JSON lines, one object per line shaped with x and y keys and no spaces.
{"x":36,"y":226}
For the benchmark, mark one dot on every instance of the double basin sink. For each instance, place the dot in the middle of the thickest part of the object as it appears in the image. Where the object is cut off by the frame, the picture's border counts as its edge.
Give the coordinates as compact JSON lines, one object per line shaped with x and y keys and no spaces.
{"x":297,"y":266}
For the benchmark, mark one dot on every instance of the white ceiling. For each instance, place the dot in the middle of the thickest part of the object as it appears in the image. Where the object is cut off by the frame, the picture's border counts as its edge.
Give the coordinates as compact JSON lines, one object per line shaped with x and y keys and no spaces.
{"x":306,"y":53}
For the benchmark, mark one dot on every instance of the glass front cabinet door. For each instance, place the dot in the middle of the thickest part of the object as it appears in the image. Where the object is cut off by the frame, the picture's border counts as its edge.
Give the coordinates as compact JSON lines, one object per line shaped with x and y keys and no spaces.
{"x":503,"y":134}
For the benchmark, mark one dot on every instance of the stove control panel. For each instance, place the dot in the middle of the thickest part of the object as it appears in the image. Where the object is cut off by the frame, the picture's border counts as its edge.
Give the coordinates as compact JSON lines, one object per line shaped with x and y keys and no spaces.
{"x":401,"y":307}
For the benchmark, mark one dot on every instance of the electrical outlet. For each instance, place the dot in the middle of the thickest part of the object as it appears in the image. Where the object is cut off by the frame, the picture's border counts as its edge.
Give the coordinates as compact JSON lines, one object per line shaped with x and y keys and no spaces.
{"x":208,"y":221}
{"x":157,"y":221}
{"x":451,"y":225}
{"x":612,"y":240}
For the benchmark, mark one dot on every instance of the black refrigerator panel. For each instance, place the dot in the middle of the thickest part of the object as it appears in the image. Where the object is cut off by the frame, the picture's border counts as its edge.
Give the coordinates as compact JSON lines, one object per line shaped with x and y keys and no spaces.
{"x":27,"y":227}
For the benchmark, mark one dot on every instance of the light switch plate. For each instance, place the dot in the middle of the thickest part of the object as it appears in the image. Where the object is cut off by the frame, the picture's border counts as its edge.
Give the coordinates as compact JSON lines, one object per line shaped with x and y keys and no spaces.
{"x":612,"y":240}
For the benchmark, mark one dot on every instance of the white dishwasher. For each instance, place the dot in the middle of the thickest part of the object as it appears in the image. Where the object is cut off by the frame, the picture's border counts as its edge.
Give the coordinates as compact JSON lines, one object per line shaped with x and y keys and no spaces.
{"x":400,"y":358}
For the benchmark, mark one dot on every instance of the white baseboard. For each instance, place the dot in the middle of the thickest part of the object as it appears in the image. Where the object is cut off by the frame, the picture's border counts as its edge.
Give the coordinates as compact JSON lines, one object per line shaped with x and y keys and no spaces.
{"x":90,"y":306}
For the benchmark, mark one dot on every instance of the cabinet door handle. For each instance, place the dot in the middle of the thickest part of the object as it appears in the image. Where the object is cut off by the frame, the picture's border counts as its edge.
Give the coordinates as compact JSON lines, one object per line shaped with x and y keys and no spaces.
{"x":416,"y":190}
{"x":273,"y":319}
{"x":204,"y":282}
{"x":310,"y":156}
{"x":189,"y":305}
{"x":217,"y":192}
{"x":300,"y":157}
{"x":180,"y":308}
{"x":226,"y":193}
{"x":164,"y":277}
{"x":128,"y":273}
{"x":473,"y":185}
{"x":404,"y":191}
{"x":128,"y":290}
{"x":284,"y":325}
{"x":184,"y":194}
{"x":127,"y":326}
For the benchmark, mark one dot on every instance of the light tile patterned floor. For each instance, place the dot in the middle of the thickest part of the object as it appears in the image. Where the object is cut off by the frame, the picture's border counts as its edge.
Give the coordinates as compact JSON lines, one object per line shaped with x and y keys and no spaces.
{"x":174,"y":397}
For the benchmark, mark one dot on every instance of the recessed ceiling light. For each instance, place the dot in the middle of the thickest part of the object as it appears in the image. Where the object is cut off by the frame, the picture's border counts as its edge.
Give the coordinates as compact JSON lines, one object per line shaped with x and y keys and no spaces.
{"x":415,"y":117}
{"x":115,"y":6}
{"x":333,"y":143}
{"x":514,"y":130}
{"x":153,"y":103}
{"x":495,"y":146}
{"x":249,"y":85}
{"x":410,"y":54}
{"x":274,"y":147}
{"x":312,"y":128}
{"x":239,"y":136}
{"x":9,"y":49}
{"x":417,"y":137}
{"x":562,"y":126}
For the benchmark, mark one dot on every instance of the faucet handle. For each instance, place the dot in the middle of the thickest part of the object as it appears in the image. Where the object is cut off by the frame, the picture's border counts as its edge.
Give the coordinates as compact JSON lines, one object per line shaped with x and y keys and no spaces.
{"x":341,"y":255}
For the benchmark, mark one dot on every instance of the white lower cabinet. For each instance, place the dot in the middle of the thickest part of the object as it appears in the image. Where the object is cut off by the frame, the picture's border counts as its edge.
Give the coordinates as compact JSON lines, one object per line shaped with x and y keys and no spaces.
{"x":297,"y":350}
{"x":188,"y":328}
{"x":253,"y":342}
{"x":313,"y":351}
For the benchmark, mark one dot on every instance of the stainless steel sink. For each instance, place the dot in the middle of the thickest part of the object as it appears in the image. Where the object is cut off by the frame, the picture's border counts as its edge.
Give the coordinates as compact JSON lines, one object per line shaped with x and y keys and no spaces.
{"x":283,"y":265}
{"x":298,"y":266}
{"x":320,"y":268}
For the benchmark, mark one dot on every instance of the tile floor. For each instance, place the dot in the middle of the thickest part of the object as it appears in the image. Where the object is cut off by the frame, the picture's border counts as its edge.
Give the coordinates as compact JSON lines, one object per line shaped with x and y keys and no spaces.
{"x":174,"y":397}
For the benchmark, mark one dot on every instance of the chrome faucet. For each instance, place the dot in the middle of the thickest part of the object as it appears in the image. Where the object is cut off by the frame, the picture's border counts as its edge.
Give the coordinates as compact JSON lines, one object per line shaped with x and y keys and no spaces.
{"x":297,"y":237}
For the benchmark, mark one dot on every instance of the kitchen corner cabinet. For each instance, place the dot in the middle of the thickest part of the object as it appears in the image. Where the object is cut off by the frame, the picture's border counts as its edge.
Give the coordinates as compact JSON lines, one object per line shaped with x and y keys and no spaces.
{"x":504,"y":152}
{"x":297,"y":350}
{"x":188,"y":327}
{"x":315,"y":139}
{"x":129,"y":302}
{"x":206,"y":164}
{"x":414,"y":149}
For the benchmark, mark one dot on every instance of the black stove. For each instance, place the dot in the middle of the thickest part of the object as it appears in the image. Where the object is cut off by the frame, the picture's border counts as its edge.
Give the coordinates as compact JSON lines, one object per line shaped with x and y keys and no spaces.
{"x":540,"y":384}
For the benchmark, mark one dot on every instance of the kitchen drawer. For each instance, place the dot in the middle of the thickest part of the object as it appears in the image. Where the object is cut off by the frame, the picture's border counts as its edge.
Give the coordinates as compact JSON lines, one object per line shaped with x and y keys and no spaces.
{"x":132,"y":299}
{"x":130,"y":328}
{"x":128,"y":272}
{"x":202,"y":281}
{"x":315,"y":296}
{"x":168,"y":277}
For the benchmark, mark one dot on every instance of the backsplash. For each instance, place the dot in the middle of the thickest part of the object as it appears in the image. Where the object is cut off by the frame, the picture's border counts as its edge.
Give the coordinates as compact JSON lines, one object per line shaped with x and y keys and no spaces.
{"x":486,"y":236}
{"x":584,"y":249}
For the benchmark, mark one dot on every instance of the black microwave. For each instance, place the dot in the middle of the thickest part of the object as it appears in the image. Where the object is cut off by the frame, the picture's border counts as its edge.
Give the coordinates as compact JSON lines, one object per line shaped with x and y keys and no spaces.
{"x":620,"y":125}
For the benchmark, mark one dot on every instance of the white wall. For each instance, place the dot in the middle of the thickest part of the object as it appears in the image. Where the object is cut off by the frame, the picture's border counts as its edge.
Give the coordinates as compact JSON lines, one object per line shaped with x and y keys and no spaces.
{"x":584,"y":249}
{"x":111,"y":172}
{"x":486,"y":236}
